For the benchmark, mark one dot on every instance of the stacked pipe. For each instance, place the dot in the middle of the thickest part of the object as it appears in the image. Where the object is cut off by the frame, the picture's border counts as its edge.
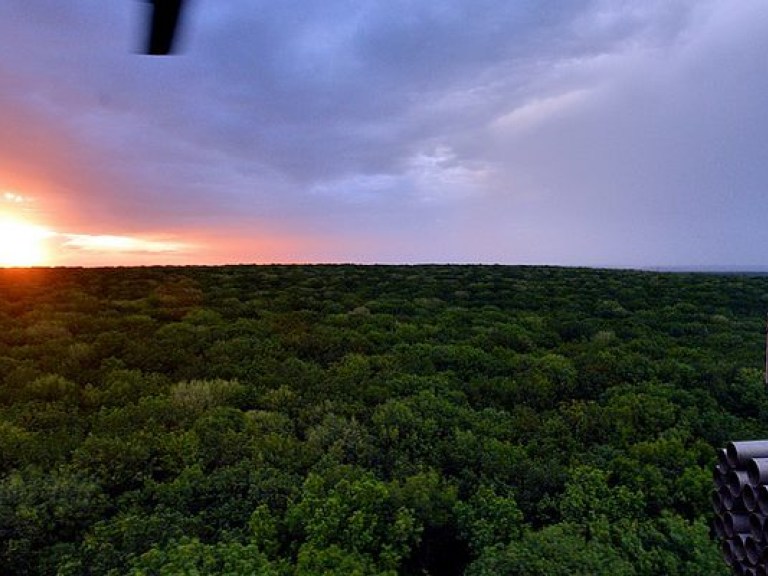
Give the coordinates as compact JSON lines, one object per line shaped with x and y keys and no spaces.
{"x":740,"y":501}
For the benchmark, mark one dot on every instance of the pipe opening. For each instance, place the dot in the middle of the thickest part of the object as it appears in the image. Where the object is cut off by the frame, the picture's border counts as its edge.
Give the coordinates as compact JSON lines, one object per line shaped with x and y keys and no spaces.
{"x":749,"y":497}
{"x":762,"y":499}
{"x":735,"y":524}
{"x":757,"y":526}
{"x":754,"y":551}
{"x":719,"y":527}
{"x":727,"y":549}
{"x":737,"y":479}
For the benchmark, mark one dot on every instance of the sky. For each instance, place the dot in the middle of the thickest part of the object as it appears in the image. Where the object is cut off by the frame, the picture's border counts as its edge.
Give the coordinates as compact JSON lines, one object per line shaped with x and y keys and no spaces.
{"x":629,"y":133}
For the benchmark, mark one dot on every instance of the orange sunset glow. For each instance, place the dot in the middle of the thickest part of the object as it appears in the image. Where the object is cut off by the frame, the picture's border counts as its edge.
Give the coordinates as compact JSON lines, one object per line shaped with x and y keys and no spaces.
{"x":22,"y":243}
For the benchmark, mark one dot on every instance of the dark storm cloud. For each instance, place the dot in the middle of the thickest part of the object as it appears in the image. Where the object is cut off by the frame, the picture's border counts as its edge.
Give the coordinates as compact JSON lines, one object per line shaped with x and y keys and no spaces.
{"x":576,"y":132}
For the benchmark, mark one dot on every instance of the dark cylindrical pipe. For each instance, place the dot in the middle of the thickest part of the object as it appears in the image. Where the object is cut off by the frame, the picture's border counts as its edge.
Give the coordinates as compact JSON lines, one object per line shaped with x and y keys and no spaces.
{"x":731,"y":503}
{"x":728,"y":556}
{"x":754,"y":549}
{"x":737,"y":479}
{"x":719,"y":527}
{"x":722,"y":461}
{"x":739,"y":452}
{"x":757,"y":526}
{"x":749,"y":498}
{"x":757,"y":469}
{"x":719,"y":477}
{"x":736,"y":523}
{"x":762,"y":499}
{"x":718,"y":506}
{"x":740,"y":545}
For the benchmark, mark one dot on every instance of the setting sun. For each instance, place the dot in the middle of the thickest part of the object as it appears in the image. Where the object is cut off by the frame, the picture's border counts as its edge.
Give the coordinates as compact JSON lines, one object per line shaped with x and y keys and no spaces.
{"x":22,"y":244}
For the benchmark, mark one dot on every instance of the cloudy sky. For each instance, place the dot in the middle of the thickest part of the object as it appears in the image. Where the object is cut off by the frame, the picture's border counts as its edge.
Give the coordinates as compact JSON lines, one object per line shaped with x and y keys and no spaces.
{"x":575,"y":132}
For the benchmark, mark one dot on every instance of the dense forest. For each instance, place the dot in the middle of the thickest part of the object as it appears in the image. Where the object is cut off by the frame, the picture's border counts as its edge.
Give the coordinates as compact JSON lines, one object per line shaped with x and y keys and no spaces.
{"x":370,"y":420}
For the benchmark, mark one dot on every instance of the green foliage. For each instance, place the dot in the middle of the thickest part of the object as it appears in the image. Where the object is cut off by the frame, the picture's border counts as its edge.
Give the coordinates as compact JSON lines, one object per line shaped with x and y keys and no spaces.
{"x":414,"y":420}
{"x":487,"y":519}
{"x":590,"y":499}
{"x":558,"y":550}
{"x":111,"y":545}
{"x":190,"y":557}
{"x":335,"y":561}
{"x":43,"y":515}
{"x":198,"y":396}
{"x":359,"y":514}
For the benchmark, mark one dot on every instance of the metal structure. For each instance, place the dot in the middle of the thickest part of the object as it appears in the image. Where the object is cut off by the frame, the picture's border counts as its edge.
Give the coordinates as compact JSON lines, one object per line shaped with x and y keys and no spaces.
{"x":740,"y":501}
{"x":164,"y":25}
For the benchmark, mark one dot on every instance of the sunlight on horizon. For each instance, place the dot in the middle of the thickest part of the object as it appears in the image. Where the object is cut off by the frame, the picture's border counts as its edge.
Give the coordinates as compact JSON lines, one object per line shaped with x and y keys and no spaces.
{"x":35,"y":232}
{"x":23,"y":244}
{"x":106,"y":243}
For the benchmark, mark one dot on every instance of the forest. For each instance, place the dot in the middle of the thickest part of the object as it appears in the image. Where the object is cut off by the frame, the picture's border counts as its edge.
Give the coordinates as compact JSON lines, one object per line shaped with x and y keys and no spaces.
{"x":312,"y":420}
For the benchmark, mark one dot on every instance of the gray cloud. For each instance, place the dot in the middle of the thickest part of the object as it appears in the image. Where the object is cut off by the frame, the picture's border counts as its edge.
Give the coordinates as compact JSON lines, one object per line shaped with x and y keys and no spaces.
{"x":575,"y":132}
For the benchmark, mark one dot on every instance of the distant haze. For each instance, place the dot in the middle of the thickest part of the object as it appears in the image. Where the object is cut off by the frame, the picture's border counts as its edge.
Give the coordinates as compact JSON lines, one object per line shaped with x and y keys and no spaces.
{"x":572,"y":132}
